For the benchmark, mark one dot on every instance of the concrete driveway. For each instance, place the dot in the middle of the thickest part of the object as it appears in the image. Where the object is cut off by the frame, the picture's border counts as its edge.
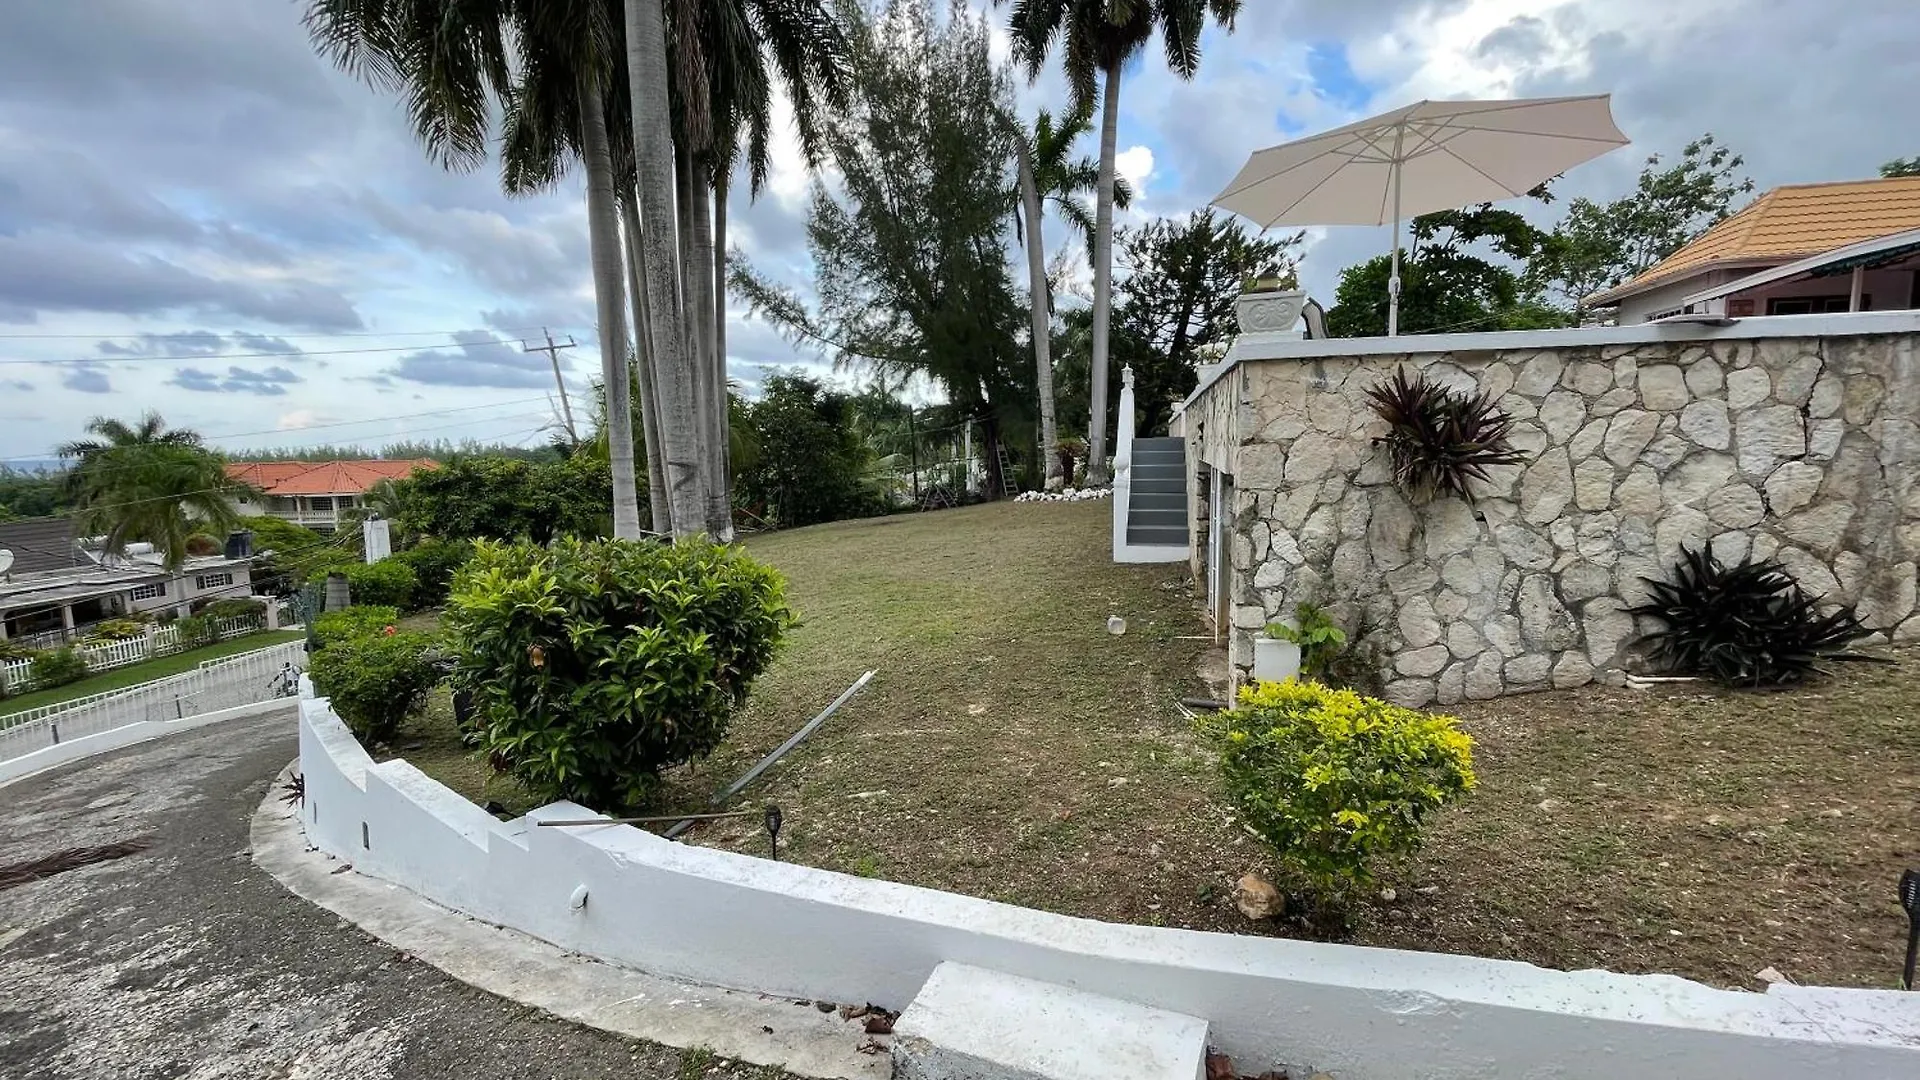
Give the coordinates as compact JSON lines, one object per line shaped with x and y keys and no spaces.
{"x":185,"y":960}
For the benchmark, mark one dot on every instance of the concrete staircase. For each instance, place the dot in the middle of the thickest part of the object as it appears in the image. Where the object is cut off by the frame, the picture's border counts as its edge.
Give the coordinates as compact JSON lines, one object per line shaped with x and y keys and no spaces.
{"x":1157,"y":511}
{"x":970,"y":1023}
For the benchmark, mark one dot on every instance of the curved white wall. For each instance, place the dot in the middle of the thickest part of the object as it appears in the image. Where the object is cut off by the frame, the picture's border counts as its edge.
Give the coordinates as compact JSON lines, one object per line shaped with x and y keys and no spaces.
{"x":1357,"y":1013}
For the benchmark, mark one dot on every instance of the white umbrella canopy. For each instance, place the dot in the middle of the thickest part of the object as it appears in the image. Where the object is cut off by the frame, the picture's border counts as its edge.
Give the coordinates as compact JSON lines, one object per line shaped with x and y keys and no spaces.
{"x":1428,"y":156}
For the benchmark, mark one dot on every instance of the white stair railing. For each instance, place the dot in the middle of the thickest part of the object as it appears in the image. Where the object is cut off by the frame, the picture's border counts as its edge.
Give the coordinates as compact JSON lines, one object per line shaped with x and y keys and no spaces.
{"x":1123,"y":464}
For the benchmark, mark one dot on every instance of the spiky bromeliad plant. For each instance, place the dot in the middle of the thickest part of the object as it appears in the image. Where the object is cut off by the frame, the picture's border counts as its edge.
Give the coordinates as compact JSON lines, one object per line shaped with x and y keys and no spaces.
{"x":1440,"y":439}
{"x":1747,"y":625}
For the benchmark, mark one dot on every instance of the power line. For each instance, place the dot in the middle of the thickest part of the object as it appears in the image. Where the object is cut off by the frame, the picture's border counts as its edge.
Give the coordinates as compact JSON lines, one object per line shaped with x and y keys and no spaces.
{"x":297,"y":354}
{"x":283,"y":337}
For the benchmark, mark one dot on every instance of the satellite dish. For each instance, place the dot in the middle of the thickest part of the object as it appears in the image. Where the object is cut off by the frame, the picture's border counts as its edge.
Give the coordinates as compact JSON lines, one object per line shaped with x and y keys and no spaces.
{"x":6,"y":560}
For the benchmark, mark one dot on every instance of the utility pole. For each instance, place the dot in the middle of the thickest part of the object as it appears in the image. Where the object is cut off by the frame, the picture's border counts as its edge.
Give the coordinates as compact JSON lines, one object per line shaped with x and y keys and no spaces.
{"x":553,"y":353}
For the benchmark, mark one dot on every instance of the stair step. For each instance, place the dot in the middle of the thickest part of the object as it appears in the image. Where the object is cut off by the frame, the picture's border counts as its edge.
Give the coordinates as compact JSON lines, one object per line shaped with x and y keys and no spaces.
{"x":1159,"y":500}
{"x":1156,"y":519}
{"x":974,"y":1023}
{"x":1160,"y":457}
{"x":1162,"y":442}
{"x":1156,"y":535}
{"x":1158,"y":485}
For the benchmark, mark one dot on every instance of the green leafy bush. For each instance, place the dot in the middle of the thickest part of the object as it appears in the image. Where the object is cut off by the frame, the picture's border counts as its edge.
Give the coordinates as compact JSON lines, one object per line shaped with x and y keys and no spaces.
{"x":433,"y":562}
{"x":376,"y":680}
{"x":13,"y":650}
{"x":235,"y":608}
{"x":596,"y":664}
{"x":114,"y":630}
{"x":1319,"y":638}
{"x":57,"y":667}
{"x":195,"y":631}
{"x":1334,"y":780}
{"x":387,"y":583}
{"x":357,"y":620}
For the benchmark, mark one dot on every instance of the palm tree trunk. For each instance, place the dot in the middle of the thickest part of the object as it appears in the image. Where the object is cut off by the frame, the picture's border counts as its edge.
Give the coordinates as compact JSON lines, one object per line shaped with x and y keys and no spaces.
{"x":1042,"y":328}
{"x":720,"y":191}
{"x":1103,"y":279}
{"x":644,"y":373}
{"x":719,"y":503}
{"x":653,"y":152}
{"x":698,"y":322}
{"x":609,"y":293}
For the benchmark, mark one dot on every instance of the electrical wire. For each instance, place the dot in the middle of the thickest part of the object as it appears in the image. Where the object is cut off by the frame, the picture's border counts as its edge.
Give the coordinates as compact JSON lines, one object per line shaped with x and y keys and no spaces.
{"x":284,"y":337}
{"x":219,"y":357}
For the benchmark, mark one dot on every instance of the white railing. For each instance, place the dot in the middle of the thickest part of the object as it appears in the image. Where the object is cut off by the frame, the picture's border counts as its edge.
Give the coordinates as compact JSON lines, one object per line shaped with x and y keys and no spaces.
{"x":16,"y":675}
{"x":215,"y":684}
{"x":1123,"y":466}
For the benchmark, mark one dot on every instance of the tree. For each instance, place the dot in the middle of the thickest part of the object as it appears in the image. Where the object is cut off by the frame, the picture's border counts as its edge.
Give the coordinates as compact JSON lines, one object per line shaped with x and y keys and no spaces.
{"x":1050,"y":173}
{"x":1098,"y":38}
{"x":910,"y":259}
{"x":1901,"y":167}
{"x":31,"y":494}
{"x":812,"y":464}
{"x":1446,"y":283}
{"x":491,"y":498}
{"x":144,"y":482}
{"x":1600,"y":245}
{"x":1177,"y":298}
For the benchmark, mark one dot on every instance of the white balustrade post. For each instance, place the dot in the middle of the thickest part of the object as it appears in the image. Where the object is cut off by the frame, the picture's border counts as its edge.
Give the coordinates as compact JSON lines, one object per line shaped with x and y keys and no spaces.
{"x":1123,"y":463}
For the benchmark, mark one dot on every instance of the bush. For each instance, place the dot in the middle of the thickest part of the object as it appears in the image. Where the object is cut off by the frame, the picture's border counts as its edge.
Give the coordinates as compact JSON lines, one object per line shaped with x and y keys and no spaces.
{"x":376,"y":680}
{"x":235,"y":608}
{"x":1320,"y":639}
{"x":1744,"y":625}
{"x":115,"y":630}
{"x":357,"y":620}
{"x":1334,"y":780}
{"x":1441,"y":440}
{"x":433,"y":563}
{"x":195,"y":631}
{"x":596,"y":664}
{"x":57,"y":667}
{"x":387,"y":582}
{"x":13,"y":650}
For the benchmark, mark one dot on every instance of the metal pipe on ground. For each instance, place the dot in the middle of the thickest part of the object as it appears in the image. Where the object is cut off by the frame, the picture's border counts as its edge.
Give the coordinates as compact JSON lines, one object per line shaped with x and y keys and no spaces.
{"x":779,"y":752}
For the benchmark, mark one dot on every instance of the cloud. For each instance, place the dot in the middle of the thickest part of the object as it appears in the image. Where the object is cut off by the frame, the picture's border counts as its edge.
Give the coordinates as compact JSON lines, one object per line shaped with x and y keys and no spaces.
{"x":269,"y":383}
{"x":86,"y":378}
{"x":183,"y":343}
{"x":1135,"y":163}
{"x":21,"y":386}
{"x":301,"y":418}
{"x":482,"y":360}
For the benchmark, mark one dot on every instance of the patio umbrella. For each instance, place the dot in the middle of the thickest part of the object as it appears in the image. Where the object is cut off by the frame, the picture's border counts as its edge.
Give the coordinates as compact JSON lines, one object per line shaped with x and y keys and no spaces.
{"x":1428,"y":156}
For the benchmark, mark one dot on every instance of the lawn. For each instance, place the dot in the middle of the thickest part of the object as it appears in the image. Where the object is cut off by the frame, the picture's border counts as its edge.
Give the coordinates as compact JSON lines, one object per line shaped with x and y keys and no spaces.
{"x":145,"y":671}
{"x":1011,"y":748}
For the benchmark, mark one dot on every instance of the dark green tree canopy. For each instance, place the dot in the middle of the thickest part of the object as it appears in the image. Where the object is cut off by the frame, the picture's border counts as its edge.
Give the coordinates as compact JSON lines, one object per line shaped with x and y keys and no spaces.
{"x":1901,"y":167}
{"x":812,"y":465}
{"x":493,"y":498}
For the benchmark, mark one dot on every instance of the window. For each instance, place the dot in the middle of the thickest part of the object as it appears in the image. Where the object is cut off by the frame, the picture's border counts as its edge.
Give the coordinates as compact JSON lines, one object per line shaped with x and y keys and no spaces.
{"x":1815,"y":305}
{"x":320,"y":502}
{"x":150,"y":592}
{"x":204,"y":582}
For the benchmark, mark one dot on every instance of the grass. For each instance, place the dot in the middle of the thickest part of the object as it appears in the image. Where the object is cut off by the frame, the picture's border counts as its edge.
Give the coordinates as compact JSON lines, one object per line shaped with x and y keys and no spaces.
{"x":145,"y":671}
{"x":1011,"y":748}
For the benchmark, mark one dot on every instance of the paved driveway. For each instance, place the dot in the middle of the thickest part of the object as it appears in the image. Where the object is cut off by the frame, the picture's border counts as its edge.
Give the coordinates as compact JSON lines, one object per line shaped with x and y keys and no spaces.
{"x":185,"y":960}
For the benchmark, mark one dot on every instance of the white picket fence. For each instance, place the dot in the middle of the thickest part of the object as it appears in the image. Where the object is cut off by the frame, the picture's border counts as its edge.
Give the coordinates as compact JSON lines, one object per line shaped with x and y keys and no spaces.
{"x":243,"y":679}
{"x":16,"y":678}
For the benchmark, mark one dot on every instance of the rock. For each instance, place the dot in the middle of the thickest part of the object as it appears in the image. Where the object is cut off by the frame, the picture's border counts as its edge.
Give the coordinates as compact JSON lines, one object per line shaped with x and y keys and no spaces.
{"x":1572,"y":670}
{"x":1551,"y":806}
{"x":1608,"y":628}
{"x":1748,"y":387}
{"x":1818,"y":529}
{"x":1526,"y":548}
{"x":1795,"y":384}
{"x":1422,"y":662}
{"x":1704,"y":378}
{"x":1545,"y":622}
{"x":1593,"y":484}
{"x":1449,"y":605}
{"x":1390,"y":531}
{"x":1706,"y":423}
{"x":1628,"y":433}
{"x":1310,"y":457}
{"x":1823,"y":439}
{"x":1540,"y":375}
{"x":1681,"y":525}
{"x":1256,"y":898}
{"x":1694,"y":479}
{"x":1771,"y":975}
{"x":1585,"y":444}
{"x":1735,"y":506}
{"x":1663,"y":387}
{"x":1589,"y":378}
{"x":1546,"y":487}
{"x":1527,"y":670}
{"x":1613,"y":401}
{"x":1464,"y":641}
{"x":1503,"y":633}
{"x":1562,"y":414}
{"x":1483,"y":678}
{"x":1626,"y":368}
{"x":1419,"y":625}
{"x":1260,"y":466}
{"x":1451,"y":528}
{"x":1452,"y":684}
{"x":1271,"y":575}
{"x":1639,"y":495}
{"x":1730,"y":547}
{"x":1388,"y":896}
{"x":1829,"y":394}
{"x":1584,"y":581}
{"x":1864,"y":394}
{"x":1766,"y":436}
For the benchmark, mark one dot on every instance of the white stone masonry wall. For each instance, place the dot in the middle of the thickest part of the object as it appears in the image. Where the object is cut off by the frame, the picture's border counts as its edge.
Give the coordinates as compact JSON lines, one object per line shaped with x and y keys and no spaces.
{"x":1797,"y":448}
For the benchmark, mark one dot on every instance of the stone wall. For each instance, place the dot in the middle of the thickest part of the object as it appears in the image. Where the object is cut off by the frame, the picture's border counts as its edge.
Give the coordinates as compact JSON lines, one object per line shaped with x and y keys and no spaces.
{"x":1800,"y":448}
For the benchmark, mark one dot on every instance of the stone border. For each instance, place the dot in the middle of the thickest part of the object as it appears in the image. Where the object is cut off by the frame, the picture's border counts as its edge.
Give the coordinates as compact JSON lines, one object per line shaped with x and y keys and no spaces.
{"x":580,"y":989}
{"x":788,"y":931}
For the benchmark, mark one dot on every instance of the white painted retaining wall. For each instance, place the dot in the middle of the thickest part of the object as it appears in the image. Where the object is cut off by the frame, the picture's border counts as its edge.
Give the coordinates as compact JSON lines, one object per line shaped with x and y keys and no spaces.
{"x":19,"y":768}
{"x":1357,"y":1013}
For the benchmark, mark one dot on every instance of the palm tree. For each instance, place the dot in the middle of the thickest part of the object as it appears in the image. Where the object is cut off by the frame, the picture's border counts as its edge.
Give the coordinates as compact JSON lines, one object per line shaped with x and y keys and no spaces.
{"x":144,"y":482}
{"x":1098,"y":38}
{"x":1049,"y":171}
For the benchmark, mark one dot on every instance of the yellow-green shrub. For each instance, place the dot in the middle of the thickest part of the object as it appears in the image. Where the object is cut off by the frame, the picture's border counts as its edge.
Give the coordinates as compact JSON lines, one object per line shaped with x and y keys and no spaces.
{"x":1334,"y":780}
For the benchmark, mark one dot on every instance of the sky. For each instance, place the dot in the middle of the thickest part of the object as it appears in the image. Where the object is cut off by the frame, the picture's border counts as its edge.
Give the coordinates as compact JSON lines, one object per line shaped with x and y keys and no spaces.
{"x":198,"y":215}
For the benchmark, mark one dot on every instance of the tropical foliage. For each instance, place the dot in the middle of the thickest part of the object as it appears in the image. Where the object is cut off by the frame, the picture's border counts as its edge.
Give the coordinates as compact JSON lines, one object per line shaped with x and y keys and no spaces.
{"x":1334,"y":781}
{"x":596,"y":664}
{"x":354,"y":620}
{"x":144,"y":482}
{"x":387,"y":583}
{"x":375,"y":681}
{"x":810,"y":465}
{"x":503,"y":499}
{"x":1441,"y":440}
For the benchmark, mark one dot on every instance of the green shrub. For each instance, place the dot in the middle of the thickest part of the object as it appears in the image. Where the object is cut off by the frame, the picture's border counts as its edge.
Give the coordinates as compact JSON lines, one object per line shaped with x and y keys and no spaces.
{"x":13,"y":650}
{"x":1320,"y":639}
{"x":357,"y":620}
{"x":376,"y":680}
{"x":386,"y":582}
{"x":235,"y":608}
{"x":596,"y":664}
{"x":1334,"y":780}
{"x":195,"y":631}
{"x":57,"y":667}
{"x":433,"y":563}
{"x":114,"y":630}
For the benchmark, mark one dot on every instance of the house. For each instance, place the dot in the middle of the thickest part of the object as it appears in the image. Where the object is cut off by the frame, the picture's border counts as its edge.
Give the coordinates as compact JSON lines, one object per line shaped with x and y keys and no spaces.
{"x":56,"y":584}
{"x":1802,"y":249}
{"x":316,"y":493}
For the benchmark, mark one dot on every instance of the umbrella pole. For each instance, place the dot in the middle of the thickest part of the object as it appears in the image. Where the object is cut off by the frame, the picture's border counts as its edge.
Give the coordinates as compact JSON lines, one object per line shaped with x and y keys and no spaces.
{"x":1393,"y":277}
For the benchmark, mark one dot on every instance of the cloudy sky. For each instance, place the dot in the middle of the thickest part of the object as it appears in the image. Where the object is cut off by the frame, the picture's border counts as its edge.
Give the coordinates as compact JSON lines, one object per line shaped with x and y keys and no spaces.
{"x":198,"y":215}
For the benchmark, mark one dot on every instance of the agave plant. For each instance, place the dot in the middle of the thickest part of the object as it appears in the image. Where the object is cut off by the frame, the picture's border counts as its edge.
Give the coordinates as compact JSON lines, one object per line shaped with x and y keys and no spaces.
{"x":1440,"y":439}
{"x":1748,"y":624}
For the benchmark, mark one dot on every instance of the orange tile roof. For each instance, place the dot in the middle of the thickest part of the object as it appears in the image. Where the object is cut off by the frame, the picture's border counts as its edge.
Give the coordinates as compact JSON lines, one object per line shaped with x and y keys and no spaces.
{"x":323,"y":477}
{"x":1789,"y":223}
